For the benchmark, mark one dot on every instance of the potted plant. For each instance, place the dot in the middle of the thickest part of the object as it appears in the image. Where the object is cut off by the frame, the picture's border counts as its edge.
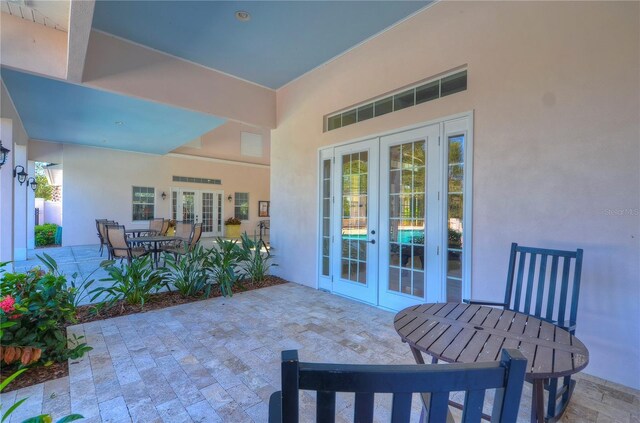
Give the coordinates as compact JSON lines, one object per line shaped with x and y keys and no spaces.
{"x":172,"y":227}
{"x":232,"y":227}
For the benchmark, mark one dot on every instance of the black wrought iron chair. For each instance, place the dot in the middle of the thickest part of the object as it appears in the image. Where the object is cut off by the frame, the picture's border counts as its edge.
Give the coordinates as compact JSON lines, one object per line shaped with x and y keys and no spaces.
{"x":545,"y":283}
{"x":433,"y":381}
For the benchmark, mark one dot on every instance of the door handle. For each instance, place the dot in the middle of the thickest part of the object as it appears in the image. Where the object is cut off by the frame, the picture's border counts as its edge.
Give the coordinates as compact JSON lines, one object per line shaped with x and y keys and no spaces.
{"x":372,"y":241}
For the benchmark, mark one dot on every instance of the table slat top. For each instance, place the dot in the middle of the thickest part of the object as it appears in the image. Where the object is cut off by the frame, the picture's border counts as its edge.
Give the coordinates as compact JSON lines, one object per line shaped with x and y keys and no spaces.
{"x":456,"y":332}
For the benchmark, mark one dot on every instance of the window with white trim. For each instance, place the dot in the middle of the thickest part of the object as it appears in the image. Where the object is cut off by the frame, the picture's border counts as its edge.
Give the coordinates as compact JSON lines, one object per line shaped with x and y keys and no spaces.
{"x":241,"y":205}
{"x":143,"y":201}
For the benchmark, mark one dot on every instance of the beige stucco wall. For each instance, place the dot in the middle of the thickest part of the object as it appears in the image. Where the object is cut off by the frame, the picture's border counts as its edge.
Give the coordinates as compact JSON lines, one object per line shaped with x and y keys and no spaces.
{"x":224,"y":143}
{"x":98,"y":185}
{"x":554,"y":87}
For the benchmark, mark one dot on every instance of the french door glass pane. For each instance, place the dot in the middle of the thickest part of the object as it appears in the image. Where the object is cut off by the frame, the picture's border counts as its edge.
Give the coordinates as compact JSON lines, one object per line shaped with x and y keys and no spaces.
{"x":188,"y":206}
{"x":354,"y":217}
{"x":207,"y":212}
{"x":455,"y":214}
{"x":407,"y":214}
{"x":326,"y":216}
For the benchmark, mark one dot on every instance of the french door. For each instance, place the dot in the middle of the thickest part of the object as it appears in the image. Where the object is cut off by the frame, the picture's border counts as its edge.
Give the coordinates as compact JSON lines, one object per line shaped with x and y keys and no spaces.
{"x":198,"y":206}
{"x":355,"y":204}
{"x":410,"y":218}
{"x":386,"y":219}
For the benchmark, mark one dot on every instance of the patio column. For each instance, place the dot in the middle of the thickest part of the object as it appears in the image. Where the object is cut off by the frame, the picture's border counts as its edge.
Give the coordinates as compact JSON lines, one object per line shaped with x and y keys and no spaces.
{"x":31,"y":208}
{"x":19,"y":206}
{"x":6,"y":195}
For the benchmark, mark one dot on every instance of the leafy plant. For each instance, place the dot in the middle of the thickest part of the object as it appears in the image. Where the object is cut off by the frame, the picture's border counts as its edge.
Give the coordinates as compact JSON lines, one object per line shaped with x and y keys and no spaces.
{"x":133,"y":282}
{"x":253,"y":262}
{"x":45,"y":234}
{"x":232,"y":221}
{"x":38,"y":305}
{"x":189,"y":273}
{"x":79,"y":289}
{"x":225,"y":260}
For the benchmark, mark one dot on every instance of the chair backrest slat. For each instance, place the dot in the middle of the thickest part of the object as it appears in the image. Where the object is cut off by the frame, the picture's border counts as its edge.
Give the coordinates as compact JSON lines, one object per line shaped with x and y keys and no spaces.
{"x":506,"y":376}
{"x":363,"y":408}
{"x":550,"y":294}
{"x":401,"y":407}
{"x":438,"y":407}
{"x":530,"y":283}
{"x":518,"y":294}
{"x":326,"y":406}
{"x":473,"y":402}
{"x":541,"y":283}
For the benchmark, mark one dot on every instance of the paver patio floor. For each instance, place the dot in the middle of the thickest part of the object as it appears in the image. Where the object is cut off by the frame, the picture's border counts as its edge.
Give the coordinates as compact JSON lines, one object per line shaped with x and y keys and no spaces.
{"x":219,"y":360}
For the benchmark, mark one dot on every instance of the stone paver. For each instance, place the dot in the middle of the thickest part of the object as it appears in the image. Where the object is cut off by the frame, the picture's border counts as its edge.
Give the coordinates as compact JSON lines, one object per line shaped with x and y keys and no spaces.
{"x":219,"y":360}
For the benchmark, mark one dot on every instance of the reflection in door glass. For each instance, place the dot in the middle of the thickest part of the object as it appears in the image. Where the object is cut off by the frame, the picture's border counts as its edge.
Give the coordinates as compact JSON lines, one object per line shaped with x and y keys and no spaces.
{"x":407,"y":214}
{"x":188,"y":206}
{"x":354,"y":217}
{"x":455,"y":208}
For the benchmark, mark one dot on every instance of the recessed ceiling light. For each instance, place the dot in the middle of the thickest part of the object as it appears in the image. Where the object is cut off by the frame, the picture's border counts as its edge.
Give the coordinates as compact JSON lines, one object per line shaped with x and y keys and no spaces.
{"x":243,"y":16}
{"x":119,"y":122}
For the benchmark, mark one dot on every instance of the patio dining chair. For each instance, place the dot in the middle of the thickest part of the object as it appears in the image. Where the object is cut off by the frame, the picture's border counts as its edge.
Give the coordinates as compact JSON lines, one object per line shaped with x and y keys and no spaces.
{"x":165,"y":227}
{"x":545,"y":284}
{"x":156,"y":225}
{"x":119,"y":246}
{"x":183,"y":246}
{"x":433,"y":381}
{"x":102,"y":234}
{"x":184,"y":229}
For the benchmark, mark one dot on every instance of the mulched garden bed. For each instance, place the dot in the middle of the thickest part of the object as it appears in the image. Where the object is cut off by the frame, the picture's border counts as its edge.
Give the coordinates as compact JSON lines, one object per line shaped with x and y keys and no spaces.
{"x":87,"y":314}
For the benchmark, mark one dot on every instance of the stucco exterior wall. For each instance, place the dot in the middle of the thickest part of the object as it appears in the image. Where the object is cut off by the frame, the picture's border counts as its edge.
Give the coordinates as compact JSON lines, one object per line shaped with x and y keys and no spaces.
{"x":554,"y":90}
{"x":98,"y":185}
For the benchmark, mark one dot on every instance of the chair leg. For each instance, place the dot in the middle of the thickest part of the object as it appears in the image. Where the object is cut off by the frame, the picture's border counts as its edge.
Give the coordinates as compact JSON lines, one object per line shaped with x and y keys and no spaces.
{"x":555,"y":408}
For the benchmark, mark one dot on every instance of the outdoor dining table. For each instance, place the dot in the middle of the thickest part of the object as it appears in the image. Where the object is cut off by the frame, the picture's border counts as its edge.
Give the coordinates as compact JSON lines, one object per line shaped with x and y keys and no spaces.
{"x":154,"y":242}
{"x":139,"y":232}
{"x":464,"y":333}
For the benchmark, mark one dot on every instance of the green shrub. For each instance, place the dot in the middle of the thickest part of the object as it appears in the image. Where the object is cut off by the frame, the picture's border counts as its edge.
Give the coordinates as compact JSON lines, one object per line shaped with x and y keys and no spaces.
{"x":133,"y":282}
{"x":253,"y":263}
{"x":43,"y":307}
{"x":189,"y":273}
{"x":225,"y":260}
{"x":45,"y":234}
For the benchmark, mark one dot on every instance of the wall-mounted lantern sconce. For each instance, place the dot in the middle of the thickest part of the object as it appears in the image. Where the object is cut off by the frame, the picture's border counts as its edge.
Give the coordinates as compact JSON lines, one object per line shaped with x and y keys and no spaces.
{"x":32,"y":183}
{"x":20,"y":174}
{"x":4,"y":153}
{"x":163,"y":195}
{"x":229,"y":198}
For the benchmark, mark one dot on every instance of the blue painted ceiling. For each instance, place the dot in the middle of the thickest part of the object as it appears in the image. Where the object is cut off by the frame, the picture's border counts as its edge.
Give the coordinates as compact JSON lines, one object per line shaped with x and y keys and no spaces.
{"x":52,"y":110}
{"x":281,"y":41}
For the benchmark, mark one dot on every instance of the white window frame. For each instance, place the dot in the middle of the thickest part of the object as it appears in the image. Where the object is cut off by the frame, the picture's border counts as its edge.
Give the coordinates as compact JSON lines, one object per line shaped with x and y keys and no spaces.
{"x":133,"y":187}
{"x":236,"y":205}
